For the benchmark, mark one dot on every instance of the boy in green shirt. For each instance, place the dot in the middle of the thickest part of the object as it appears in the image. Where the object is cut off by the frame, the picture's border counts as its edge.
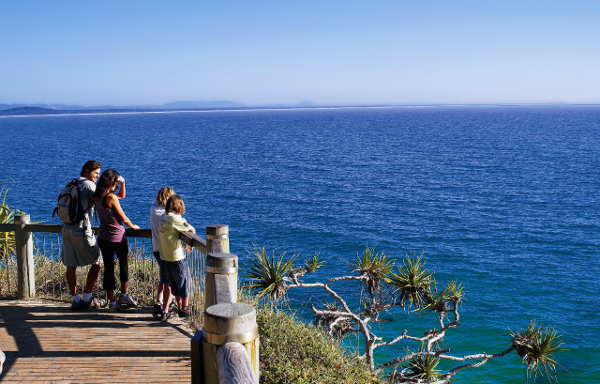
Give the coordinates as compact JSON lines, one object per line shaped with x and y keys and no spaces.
{"x":173,"y":256}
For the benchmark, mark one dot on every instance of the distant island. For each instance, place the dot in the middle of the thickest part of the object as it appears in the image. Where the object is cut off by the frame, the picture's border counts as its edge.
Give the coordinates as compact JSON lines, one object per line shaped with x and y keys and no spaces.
{"x":40,"y":108}
{"x":28,"y":111}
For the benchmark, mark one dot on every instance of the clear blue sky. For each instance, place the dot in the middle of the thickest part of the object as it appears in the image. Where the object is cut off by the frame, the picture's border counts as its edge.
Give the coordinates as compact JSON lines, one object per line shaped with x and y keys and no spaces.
{"x":266,"y":52}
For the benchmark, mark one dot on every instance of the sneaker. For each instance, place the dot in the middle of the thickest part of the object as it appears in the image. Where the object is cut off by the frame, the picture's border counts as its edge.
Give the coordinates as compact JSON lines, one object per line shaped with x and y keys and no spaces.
{"x":127,"y":301}
{"x":97,"y":303}
{"x":76,"y":305}
{"x":184,"y":312}
{"x":157,"y":311}
{"x":114,"y":306}
{"x":165,"y":317}
{"x":84,"y":305}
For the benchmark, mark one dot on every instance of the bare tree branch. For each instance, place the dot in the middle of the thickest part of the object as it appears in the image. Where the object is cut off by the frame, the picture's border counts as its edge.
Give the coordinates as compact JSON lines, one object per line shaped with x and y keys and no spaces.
{"x":407,"y":357}
{"x":483,"y":356}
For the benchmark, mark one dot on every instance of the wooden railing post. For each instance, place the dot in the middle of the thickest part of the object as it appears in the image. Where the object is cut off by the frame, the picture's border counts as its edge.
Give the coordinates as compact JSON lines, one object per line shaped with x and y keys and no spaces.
{"x":197,"y":360}
{"x":2,"y":360}
{"x":217,"y":238}
{"x":225,"y":324}
{"x":25,"y":263}
{"x":221,"y":279}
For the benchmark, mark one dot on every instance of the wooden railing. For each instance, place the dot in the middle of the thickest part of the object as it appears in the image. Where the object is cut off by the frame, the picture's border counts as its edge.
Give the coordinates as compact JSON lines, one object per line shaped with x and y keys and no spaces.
{"x":226,"y":350}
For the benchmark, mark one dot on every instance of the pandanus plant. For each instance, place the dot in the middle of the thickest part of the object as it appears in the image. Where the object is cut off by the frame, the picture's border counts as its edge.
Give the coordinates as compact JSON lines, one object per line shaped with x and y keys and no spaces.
{"x":410,"y":286}
{"x":7,"y":216}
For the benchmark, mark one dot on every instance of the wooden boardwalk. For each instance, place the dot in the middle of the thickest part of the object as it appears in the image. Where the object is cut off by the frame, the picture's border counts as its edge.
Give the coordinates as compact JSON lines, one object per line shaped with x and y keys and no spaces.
{"x":48,"y":343}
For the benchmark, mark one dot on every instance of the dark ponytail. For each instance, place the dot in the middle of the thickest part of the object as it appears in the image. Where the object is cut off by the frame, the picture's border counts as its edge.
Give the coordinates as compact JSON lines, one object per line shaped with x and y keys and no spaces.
{"x":106,"y":181}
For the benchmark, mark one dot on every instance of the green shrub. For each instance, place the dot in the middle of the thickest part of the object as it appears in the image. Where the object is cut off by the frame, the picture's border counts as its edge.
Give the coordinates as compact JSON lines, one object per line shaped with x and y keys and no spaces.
{"x":295,"y":353}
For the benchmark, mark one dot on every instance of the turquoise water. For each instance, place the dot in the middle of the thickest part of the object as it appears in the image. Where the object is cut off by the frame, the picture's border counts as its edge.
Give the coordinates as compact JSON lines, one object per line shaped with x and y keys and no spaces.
{"x":503,"y":199}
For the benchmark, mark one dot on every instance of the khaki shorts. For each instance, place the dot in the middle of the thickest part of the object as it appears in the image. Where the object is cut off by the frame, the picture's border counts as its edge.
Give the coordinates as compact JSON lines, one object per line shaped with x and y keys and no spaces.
{"x":79,"y":248}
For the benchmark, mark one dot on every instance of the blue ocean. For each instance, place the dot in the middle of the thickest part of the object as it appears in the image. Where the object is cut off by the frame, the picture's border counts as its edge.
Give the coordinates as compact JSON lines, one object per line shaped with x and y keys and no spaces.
{"x":504,"y":199}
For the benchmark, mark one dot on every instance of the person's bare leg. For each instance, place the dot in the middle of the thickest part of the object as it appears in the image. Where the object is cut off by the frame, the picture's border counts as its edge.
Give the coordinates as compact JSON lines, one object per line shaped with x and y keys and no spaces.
{"x":159,"y":293}
{"x":166,"y":298}
{"x":72,"y":280}
{"x":185,"y":301}
{"x":110,"y":295}
{"x":123,"y":287}
{"x":92,"y":277}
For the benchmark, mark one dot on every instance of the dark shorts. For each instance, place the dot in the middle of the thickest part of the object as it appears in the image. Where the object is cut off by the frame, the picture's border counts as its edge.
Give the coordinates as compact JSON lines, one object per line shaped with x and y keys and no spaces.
{"x":162,"y":276}
{"x":178,"y":277}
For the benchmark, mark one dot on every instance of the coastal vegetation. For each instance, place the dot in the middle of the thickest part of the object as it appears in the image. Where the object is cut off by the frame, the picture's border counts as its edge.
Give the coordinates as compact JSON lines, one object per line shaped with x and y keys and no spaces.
{"x":295,"y":352}
{"x":390,"y":288}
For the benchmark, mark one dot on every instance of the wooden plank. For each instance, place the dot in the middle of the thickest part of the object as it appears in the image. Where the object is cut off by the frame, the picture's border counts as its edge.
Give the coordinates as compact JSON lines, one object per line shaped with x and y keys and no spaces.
{"x":46,"y":342}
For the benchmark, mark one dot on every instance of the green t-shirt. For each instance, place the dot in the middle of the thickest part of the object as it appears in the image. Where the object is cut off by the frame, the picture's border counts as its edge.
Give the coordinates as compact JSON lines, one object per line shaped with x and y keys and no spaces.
{"x":171,"y":248}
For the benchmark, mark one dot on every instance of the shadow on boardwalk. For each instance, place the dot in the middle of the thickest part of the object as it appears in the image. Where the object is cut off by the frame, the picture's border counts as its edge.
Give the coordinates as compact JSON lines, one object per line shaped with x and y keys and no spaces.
{"x":47,"y":342}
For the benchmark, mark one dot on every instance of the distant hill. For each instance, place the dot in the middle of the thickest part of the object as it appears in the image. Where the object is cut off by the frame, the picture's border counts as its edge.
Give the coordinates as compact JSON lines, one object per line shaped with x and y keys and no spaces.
{"x":191,"y":104}
{"x":28,"y":111}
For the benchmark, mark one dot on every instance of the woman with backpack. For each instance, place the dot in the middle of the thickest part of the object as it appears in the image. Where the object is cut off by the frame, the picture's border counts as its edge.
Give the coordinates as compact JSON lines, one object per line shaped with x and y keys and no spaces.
{"x":111,"y":236}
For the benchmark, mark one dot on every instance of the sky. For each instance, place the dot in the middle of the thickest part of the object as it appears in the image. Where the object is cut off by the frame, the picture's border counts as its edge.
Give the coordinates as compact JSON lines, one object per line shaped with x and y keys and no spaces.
{"x":285,"y":52}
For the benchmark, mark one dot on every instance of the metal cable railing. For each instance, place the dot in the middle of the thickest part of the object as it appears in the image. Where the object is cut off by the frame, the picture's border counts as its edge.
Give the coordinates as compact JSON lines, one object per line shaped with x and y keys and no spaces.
{"x":196,"y":260}
{"x":49,"y":272}
{"x":8,"y":275}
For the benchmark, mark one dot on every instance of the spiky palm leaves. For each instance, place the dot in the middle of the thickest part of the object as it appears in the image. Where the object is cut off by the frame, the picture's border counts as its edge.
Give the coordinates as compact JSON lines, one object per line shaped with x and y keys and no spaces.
{"x":376,"y":267}
{"x":442,"y":301}
{"x":536,"y":347}
{"x":266,"y":274}
{"x":414,"y":281}
{"x":313,"y":263}
{"x":7,"y":216}
{"x":421,"y":369}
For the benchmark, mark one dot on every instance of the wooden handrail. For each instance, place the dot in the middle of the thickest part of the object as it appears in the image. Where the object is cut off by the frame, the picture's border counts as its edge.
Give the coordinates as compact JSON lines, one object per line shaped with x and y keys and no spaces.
{"x":57,"y":228}
{"x":190,"y":239}
{"x":7,"y":227}
{"x":194,"y":241}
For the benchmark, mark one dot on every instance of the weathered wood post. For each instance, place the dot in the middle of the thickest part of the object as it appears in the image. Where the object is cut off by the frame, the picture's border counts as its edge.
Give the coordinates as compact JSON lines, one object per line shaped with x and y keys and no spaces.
{"x":25,"y":263}
{"x":217,"y":238}
{"x":2,"y":360}
{"x":220,"y":279}
{"x":197,"y":359}
{"x":224,"y":324}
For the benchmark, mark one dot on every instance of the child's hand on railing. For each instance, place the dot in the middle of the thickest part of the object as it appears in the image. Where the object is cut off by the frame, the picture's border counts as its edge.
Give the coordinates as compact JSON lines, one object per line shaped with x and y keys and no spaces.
{"x":133,"y":226}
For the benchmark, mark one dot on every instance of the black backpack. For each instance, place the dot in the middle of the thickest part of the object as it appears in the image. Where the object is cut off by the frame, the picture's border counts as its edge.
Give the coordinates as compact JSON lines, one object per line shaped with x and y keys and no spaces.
{"x":69,"y":207}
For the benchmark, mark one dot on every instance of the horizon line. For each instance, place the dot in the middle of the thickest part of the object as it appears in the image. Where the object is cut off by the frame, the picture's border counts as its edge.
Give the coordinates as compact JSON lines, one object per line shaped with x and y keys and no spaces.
{"x":267,"y":109}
